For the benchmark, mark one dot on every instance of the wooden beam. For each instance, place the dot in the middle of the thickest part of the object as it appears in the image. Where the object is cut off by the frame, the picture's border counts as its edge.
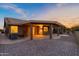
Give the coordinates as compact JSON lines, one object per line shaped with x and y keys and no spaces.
{"x":31,"y":32}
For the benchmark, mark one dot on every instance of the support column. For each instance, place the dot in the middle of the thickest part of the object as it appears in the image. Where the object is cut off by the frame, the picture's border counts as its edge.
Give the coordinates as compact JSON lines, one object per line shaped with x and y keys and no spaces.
{"x":61,"y":30}
{"x":31,"y":32}
{"x":58,"y":31}
{"x":50,"y":31}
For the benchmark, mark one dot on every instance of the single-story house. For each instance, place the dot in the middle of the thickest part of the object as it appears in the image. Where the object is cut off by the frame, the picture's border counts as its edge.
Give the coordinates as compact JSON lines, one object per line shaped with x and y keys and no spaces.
{"x":25,"y":28}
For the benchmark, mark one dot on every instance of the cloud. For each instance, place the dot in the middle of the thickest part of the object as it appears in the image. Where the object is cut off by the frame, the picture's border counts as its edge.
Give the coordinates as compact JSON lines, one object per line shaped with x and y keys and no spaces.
{"x":67,"y":14}
{"x":61,"y":4}
{"x":15,"y":8}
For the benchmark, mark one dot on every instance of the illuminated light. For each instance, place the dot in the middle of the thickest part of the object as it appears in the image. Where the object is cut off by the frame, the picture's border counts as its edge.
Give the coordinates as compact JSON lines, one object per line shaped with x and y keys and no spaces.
{"x":45,"y":29}
{"x":39,"y":36}
{"x":40,"y":29}
{"x":33,"y":30}
{"x":14,"y":29}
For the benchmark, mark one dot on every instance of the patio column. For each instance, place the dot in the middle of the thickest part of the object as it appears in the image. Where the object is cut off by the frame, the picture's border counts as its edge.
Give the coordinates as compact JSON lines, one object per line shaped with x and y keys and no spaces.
{"x":62,"y":30}
{"x":31,"y":32}
{"x":58,"y":31}
{"x":50,"y":31}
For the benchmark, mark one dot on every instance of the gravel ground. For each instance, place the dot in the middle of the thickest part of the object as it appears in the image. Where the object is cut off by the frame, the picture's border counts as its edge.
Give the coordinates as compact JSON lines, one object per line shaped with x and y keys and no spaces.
{"x":65,"y":46}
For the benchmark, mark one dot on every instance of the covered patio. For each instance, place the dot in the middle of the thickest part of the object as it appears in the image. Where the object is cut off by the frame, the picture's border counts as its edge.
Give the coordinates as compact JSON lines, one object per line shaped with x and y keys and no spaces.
{"x":32,"y":28}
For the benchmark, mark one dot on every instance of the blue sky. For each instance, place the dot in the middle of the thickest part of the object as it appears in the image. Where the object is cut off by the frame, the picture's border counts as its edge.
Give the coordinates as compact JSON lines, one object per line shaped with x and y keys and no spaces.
{"x":26,"y":11}
{"x":67,"y":14}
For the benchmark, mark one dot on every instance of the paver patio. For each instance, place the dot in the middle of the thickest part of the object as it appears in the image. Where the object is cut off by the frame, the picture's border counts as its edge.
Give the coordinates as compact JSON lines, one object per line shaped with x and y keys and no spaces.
{"x":65,"y":46}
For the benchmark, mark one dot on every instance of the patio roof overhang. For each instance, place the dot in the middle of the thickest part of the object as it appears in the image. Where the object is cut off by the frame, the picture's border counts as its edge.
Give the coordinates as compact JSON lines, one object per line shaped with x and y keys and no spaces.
{"x":13,"y":21}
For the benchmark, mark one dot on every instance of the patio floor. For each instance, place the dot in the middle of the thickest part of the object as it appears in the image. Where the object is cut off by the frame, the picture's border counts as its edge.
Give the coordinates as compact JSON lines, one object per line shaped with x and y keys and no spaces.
{"x":64,"y":45}
{"x":5,"y":40}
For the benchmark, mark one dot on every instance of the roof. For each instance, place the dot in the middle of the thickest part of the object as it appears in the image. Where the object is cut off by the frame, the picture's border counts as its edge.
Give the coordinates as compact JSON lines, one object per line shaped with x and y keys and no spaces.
{"x":19,"y":22}
{"x":14,"y":21}
{"x":45,"y":21}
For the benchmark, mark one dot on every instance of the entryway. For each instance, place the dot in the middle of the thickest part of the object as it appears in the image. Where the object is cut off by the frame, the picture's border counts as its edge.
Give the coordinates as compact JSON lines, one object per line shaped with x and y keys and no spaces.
{"x":39,"y":31}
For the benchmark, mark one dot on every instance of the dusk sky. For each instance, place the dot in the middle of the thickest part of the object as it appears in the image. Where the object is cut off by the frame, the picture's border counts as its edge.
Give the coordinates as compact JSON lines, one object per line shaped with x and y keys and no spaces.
{"x":67,"y":14}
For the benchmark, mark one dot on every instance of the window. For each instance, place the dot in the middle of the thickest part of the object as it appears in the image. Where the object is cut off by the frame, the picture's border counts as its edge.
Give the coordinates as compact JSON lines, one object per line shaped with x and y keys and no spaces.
{"x":45,"y":29}
{"x":14,"y":29}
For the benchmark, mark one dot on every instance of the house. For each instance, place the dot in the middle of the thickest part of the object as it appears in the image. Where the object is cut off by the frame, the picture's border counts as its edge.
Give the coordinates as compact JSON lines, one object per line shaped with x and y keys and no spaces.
{"x":32,"y":28}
